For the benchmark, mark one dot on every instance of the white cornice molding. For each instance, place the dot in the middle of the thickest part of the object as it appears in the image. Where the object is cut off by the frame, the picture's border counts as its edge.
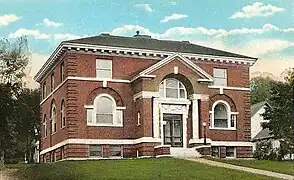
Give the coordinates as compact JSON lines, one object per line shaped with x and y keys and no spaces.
{"x":140,"y":52}
{"x":182,"y":59}
{"x":230,"y":88}
{"x":102,"y":141}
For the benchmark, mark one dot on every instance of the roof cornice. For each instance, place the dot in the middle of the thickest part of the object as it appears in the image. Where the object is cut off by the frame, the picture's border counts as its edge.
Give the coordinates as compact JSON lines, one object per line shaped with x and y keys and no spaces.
{"x":65,"y":46}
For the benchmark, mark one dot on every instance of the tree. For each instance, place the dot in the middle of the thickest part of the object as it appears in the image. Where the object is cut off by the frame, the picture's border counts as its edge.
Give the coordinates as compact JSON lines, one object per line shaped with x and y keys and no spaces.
{"x":260,"y":89}
{"x":280,"y":112}
{"x":28,"y":121}
{"x":14,"y":57}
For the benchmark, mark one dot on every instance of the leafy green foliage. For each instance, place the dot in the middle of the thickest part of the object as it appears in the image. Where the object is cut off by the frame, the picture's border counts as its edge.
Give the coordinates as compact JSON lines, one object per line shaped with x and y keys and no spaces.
{"x":19,"y":108}
{"x":280,"y":112}
{"x":265,"y":151}
{"x":260,"y":89}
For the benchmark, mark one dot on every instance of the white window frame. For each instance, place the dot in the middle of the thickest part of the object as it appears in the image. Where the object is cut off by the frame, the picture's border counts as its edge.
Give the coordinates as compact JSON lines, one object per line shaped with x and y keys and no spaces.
{"x":121,"y":151}
{"x":179,"y":89}
{"x":45,"y":127}
{"x":62,"y":113}
{"x":91,"y":109}
{"x":95,"y":145}
{"x":229,"y":113}
{"x":138,"y":118}
{"x":97,"y":68}
{"x":226,"y":77}
{"x":53,"y":120}
{"x":235,"y":153}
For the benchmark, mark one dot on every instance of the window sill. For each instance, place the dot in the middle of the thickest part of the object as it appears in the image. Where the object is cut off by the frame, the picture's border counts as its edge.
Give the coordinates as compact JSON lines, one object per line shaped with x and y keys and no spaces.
{"x":63,"y":127}
{"x":106,"y":125}
{"x":54,"y":133}
{"x":224,"y":129}
{"x":138,"y":125}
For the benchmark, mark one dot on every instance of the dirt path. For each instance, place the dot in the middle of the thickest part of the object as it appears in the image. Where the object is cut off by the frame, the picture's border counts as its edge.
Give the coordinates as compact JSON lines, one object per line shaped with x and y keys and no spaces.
{"x":7,"y":174}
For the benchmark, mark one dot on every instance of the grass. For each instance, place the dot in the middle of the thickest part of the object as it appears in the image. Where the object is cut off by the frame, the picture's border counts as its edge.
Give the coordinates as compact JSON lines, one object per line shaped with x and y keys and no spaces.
{"x":286,"y":167}
{"x":160,"y":168}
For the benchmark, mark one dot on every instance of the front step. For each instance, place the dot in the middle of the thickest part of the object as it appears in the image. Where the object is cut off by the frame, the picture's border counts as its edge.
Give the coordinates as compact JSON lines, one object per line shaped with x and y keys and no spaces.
{"x":184,"y":152}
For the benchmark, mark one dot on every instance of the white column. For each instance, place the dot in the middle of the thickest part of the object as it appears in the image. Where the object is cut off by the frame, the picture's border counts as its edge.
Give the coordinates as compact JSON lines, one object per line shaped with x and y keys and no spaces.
{"x":185,"y":117}
{"x":156,"y":115}
{"x":195,"y":119}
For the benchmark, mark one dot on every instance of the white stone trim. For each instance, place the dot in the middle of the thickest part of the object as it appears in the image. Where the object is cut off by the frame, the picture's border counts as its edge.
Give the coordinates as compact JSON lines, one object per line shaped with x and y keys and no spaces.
{"x":50,"y":94}
{"x":170,"y":58}
{"x":102,"y":141}
{"x":159,"y":146}
{"x":98,"y":79}
{"x":195,"y":119}
{"x":83,"y":79}
{"x":67,"y":46}
{"x":199,"y":96}
{"x":231,"y":143}
{"x":199,"y":141}
{"x":145,"y":95}
{"x":229,"y":88}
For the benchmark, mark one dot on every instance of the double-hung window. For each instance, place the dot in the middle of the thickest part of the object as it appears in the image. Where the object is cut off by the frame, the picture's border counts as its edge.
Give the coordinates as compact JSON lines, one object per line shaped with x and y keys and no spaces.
{"x":104,"y":68}
{"x":220,"y":77}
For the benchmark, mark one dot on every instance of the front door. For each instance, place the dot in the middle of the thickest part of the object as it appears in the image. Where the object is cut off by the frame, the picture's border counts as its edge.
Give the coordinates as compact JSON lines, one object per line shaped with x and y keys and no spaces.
{"x":173,"y":130}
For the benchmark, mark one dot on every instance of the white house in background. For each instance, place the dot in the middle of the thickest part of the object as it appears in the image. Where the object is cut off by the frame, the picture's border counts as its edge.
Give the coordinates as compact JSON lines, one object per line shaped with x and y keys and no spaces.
{"x":256,"y":118}
{"x":257,"y":132}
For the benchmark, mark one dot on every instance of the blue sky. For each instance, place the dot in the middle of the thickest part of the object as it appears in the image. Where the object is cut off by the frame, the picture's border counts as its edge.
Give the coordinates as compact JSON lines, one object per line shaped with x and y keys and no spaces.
{"x":263,"y":29}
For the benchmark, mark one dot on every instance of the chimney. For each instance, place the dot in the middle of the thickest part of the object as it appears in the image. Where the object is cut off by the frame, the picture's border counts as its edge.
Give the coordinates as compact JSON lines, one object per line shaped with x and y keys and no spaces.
{"x":137,"y":35}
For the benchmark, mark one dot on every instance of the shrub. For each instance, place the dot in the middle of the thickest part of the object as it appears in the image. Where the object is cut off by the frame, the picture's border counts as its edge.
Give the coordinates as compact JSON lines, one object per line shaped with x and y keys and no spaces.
{"x":265,"y":151}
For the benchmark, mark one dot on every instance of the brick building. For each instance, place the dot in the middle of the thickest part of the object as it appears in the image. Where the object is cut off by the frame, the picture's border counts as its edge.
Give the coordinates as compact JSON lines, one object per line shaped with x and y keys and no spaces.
{"x":111,"y":97}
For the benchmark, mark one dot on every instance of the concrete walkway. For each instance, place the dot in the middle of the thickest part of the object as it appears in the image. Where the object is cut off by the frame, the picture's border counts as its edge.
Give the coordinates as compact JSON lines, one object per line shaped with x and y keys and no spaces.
{"x":241,"y":168}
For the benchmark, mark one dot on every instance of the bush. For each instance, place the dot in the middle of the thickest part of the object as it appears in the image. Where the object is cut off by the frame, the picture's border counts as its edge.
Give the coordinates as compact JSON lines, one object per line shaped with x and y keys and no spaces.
{"x":265,"y":151}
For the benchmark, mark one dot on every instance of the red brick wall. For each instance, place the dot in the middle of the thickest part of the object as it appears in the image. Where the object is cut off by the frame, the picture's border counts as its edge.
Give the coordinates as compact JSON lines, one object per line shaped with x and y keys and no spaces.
{"x":78,"y":93}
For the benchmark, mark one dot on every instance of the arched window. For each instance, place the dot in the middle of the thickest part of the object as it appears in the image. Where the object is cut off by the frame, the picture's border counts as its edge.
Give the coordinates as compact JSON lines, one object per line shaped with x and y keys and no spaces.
{"x":172,"y":88}
{"x":104,"y":112}
{"x":221,"y":116}
{"x":45,"y":132}
{"x":53,"y":118}
{"x":62,"y":114}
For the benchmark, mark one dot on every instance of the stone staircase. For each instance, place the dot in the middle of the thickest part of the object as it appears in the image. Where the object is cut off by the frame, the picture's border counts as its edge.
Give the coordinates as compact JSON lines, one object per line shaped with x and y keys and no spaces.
{"x":184,"y":152}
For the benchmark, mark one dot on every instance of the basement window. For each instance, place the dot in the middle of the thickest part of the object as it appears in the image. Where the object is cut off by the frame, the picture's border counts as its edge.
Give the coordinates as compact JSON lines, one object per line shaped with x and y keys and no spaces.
{"x":115,"y":151}
{"x":230,"y":151}
{"x":95,"y":151}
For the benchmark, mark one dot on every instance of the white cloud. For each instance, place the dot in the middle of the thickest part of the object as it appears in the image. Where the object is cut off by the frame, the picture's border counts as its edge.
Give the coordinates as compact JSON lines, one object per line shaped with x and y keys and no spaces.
{"x":173,"y":17}
{"x":261,"y":48}
{"x":50,"y":23}
{"x":146,"y":7}
{"x":188,"y":32}
{"x":29,"y":32}
{"x":173,"y":3}
{"x":6,"y":19}
{"x":257,"y":9}
{"x":66,"y":36}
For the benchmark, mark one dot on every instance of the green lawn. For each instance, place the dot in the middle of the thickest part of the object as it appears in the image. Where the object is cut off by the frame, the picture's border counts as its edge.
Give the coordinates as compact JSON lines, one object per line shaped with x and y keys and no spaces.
{"x":161,"y":168}
{"x":286,"y":167}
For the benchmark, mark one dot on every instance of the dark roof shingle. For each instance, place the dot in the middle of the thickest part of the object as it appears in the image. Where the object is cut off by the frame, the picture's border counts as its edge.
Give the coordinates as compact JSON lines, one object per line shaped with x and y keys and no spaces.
{"x":263,"y":134}
{"x":256,"y":107}
{"x":144,"y":42}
